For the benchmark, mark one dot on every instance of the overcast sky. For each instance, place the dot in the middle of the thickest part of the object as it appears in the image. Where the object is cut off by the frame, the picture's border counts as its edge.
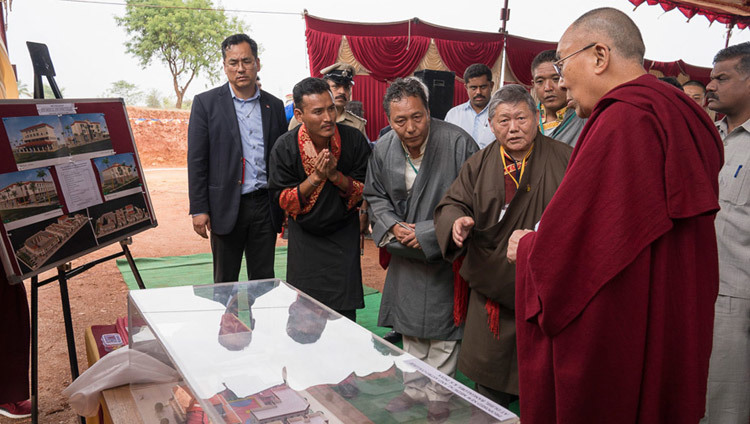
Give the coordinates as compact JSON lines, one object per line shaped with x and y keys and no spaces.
{"x":88,"y":51}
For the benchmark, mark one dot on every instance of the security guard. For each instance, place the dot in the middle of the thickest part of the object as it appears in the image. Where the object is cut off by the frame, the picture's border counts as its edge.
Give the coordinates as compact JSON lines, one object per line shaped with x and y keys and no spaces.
{"x":339,"y":77}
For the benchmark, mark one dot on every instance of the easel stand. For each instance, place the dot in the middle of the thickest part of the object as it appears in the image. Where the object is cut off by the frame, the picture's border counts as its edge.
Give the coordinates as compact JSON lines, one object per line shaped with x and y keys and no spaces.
{"x":62,"y":277}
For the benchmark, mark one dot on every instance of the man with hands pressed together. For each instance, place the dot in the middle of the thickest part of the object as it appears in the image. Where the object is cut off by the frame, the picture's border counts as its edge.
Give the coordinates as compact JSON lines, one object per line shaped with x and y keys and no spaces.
{"x":317,"y":173}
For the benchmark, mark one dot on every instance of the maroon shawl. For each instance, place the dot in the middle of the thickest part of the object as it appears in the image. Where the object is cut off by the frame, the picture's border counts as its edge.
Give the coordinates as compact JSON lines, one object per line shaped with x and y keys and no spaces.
{"x":615,"y":292}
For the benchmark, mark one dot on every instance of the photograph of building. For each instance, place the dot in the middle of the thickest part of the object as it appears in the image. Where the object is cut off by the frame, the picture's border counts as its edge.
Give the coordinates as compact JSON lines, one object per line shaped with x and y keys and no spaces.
{"x":35,"y":138}
{"x":27,"y":193}
{"x":117,"y":173}
{"x":86,"y":132}
{"x":119,"y":219}
{"x":40,"y":247}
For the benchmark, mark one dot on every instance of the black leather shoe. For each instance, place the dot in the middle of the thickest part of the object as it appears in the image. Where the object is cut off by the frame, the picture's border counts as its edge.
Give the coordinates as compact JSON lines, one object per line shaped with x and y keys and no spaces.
{"x":392,"y":337}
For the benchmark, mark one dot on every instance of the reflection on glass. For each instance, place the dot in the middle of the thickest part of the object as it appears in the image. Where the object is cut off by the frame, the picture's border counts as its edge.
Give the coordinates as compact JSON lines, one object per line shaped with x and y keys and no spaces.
{"x":258,"y":352}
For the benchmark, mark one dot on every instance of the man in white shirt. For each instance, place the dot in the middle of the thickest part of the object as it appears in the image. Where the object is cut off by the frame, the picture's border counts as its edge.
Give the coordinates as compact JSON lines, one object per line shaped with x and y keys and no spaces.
{"x":472,"y":115}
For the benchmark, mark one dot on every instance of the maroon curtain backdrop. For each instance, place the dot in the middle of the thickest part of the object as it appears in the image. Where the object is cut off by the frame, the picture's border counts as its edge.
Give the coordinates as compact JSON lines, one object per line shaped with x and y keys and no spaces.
{"x":322,"y":49}
{"x":370,"y":92}
{"x":459,"y":93}
{"x":519,"y":54}
{"x":673,"y":69}
{"x":696,"y":72}
{"x":388,"y":58}
{"x":458,"y":55}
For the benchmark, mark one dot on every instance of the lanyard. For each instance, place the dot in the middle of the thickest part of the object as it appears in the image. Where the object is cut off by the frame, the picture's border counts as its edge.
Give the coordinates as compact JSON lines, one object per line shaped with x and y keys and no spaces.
{"x":514,"y":166}
{"x":411,"y":164}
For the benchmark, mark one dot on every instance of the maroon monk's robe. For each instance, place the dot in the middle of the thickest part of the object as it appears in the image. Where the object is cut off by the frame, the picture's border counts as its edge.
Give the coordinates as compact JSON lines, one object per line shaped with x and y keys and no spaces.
{"x":615,"y":292}
{"x":14,"y":342}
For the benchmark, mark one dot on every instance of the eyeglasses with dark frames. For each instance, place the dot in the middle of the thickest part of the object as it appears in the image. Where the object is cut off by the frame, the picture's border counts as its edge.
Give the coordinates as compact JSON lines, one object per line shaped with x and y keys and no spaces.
{"x":559,"y":64}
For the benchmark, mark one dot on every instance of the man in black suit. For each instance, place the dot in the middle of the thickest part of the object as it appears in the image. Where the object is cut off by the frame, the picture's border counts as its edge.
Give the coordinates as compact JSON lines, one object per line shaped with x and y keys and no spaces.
{"x":231,"y":132}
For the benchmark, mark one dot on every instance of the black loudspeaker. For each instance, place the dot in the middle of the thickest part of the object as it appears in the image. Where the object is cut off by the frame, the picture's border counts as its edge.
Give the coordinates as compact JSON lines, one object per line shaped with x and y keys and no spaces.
{"x":440,"y":84}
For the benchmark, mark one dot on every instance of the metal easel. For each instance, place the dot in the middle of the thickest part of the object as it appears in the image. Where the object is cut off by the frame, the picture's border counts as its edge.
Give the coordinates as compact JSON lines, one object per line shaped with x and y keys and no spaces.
{"x":43,"y":67}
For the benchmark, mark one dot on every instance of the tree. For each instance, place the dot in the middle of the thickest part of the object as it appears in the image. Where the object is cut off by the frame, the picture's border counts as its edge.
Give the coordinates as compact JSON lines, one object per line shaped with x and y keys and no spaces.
{"x":24,"y":91}
{"x":48,"y":94}
{"x":153,"y":98}
{"x":185,"y":39}
{"x":126,"y":90}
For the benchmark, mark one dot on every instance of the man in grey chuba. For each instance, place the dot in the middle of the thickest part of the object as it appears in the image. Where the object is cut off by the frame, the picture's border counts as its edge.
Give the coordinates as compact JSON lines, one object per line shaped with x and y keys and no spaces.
{"x":409,"y":172}
{"x":728,"y":397}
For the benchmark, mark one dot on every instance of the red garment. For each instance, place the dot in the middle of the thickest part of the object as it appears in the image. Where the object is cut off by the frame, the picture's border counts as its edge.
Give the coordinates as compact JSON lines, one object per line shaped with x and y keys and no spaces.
{"x":615,"y":292}
{"x":15,"y":339}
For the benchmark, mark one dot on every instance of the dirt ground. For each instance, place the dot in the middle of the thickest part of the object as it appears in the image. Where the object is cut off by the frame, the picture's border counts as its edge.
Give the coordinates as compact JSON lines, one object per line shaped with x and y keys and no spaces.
{"x":99,"y":295}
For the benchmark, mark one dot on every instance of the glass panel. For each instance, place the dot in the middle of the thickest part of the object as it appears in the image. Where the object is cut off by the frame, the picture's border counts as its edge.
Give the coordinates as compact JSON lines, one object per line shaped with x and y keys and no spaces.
{"x":262,"y":352}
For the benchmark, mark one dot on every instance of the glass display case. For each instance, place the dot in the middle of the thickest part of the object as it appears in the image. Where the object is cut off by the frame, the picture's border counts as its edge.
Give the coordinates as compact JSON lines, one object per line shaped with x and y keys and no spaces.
{"x":264,"y":352}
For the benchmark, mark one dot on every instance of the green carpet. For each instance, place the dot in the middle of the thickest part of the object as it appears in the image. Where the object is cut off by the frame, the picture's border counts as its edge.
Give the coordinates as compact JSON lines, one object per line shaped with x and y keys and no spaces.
{"x":171,"y":271}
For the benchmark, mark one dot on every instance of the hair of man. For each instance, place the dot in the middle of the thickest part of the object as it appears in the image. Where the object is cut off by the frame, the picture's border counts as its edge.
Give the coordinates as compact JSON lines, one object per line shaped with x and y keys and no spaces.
{"x":307,"y":87}
{"x":238,"y":39}
{"x":695,"y":83}
{"x":621,"y":31}
{"x":511,"y":94}
{"x":402,"y":88}
{"x":671,"y":81}
{"x":477,"y":70}
{"x":543,"y":57}
{"x":738,"y":51}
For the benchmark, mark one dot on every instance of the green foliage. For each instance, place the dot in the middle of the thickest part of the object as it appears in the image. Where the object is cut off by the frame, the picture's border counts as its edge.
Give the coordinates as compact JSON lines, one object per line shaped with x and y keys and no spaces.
{"x":48,"y":94}
{"x":154,"y":99}
{"x":126,"y":90}
{"x":187,"y":41}
{"x":24,"y":91}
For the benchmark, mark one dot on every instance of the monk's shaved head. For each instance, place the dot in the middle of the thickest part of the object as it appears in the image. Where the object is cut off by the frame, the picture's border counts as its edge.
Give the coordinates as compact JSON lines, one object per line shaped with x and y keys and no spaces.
{"x":622,"y":35}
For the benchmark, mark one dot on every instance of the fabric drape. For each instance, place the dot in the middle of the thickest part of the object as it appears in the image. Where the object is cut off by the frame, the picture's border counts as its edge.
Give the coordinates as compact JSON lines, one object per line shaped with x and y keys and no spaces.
{"x":458,"y":55}
{"x":322,"y":48}
{"x":388,"y":58}
{"x":370,"y":92}
{"x":520,"y":53}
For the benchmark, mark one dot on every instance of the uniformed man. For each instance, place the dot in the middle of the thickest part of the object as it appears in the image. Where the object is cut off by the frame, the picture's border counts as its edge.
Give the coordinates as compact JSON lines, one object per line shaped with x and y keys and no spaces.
{"x":339,"y":77}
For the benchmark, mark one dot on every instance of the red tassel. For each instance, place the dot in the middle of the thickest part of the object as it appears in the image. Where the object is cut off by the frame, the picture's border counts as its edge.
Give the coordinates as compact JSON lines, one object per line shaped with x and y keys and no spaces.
{"x":460,"y":294}
{"x":493,"y":317}
{"x":384,"y":257}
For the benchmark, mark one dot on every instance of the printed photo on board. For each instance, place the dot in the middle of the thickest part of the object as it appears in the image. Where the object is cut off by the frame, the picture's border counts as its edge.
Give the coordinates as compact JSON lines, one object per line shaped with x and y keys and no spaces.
{"x":36,"y":141}
{"x":118,"y":175}
{"x":27,"y":197}
{"x":86,"y":134}
{"x":52,"y":240}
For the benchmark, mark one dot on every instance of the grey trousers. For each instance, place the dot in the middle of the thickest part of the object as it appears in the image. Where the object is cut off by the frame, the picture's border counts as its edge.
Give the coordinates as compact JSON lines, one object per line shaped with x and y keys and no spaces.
{"x":728,"y":391}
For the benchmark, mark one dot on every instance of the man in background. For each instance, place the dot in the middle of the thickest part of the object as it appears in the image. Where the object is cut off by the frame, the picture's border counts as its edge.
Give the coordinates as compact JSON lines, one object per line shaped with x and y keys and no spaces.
{"x":556,"y":119}
{"x":340,"y":79}
{"x":230,"y":135}
{"x":472,"y":116}
{"x":728,"y":399}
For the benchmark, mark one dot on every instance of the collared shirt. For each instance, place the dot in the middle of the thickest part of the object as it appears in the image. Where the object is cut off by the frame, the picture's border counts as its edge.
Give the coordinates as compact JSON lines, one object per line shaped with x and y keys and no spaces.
{"x":251,"y":133}
{"x":412,"y":165}
{"x":546,"y":127}
{"x":476,"y":124}
{"x":733,"y":220}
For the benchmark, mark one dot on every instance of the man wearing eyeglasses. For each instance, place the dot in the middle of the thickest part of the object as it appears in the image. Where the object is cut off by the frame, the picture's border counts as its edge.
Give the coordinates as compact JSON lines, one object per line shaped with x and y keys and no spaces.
{"x":615,"y":290}
{"x":556,"y":119}
{"x":472,"y":116}
{"x":231,"y":132}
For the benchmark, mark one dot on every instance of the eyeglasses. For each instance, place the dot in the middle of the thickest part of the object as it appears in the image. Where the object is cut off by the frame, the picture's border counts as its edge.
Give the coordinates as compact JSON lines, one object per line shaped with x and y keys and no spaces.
{"x":559,"y":64}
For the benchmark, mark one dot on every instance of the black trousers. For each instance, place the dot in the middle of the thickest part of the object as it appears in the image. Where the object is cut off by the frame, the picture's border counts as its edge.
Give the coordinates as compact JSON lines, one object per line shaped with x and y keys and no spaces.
{"x":252,"y":235}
